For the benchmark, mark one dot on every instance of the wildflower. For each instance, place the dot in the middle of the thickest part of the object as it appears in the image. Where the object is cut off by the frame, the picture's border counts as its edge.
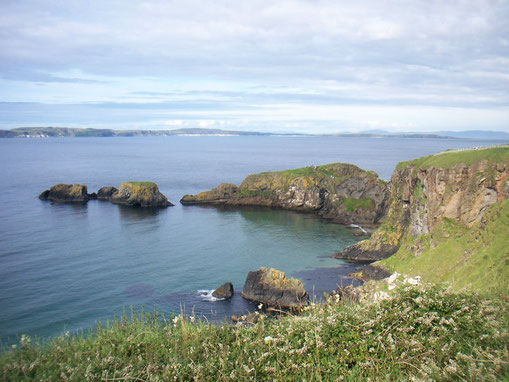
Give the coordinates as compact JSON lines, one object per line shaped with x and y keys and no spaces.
{"x":260,"y":306}
{"x":268,"y":339}
{"x":25,"y":340}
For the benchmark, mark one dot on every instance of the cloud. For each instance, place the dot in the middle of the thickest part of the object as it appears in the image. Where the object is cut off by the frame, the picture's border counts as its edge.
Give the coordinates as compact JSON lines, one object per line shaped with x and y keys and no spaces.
{"x":230,"y":55}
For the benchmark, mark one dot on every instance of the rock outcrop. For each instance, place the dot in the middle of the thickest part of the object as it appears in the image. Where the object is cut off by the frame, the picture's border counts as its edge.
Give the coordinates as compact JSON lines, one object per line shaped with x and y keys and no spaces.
{"x":105,"y":193}
{"x":139,"y":194}
{"x":455,"y":185}
{"x":273,"y":289}
{"x":225,"y":291}
{"x":341,"y":192}
{"x":66,"y":193}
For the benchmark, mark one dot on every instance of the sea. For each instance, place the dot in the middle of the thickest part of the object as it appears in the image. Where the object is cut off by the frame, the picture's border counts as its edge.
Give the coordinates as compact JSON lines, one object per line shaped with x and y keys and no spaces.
{"x":68,"y":267}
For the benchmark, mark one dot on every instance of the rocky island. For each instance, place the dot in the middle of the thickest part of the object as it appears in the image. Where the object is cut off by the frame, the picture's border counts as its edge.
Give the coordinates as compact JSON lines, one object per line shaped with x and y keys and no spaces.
{"x":341,"y":192}
{"x":141,"y":194}
{"x":66,"y":193}
{"x":134,"y":194}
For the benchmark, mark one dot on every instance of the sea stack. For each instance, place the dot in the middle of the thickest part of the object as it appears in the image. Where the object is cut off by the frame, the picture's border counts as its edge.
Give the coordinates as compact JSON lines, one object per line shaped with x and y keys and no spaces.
{"x":139,"y":194}
{"x":66,"y":193}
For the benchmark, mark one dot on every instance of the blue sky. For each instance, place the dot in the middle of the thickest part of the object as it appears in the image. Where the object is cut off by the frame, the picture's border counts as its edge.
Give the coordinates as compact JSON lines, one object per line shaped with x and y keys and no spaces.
{"x":286,"y":66}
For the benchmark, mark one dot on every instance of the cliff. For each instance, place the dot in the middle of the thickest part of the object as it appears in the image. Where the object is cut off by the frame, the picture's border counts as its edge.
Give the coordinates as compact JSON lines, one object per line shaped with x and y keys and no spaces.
{"x":440,"y":208}
{"x":142,"y":194}
{"x":341,"y":192}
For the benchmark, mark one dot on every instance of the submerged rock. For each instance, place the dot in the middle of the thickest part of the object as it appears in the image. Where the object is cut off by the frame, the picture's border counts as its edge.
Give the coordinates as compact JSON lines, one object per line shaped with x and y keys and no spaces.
{"x":272,"y":288}
{"x":224,"y":291}
{"x":339,"y":191}
{"x":66,"y":193}
{"x":139,"y":194}
{"x":105,"y":193}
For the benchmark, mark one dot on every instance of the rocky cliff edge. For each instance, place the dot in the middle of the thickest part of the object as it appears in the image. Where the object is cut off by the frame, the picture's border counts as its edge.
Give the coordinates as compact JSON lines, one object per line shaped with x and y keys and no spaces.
{"x":341,"y":192}
{"x":456,"y":186}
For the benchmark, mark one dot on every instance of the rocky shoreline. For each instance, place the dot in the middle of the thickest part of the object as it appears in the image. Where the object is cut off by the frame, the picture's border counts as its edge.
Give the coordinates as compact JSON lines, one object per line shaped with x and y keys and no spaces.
{"x":341,"y":192}
{"x":458,"y":186}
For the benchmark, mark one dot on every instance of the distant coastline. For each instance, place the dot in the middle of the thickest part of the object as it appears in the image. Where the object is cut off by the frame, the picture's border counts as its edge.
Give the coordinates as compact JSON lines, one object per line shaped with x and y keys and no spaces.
{"x":61,"y":132}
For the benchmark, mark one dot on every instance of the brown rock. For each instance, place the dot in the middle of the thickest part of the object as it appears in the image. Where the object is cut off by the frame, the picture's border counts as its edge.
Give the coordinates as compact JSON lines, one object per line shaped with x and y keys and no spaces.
{"x":66,"y":193}
{"x":225,"y":291}
{"x":272,"y":288}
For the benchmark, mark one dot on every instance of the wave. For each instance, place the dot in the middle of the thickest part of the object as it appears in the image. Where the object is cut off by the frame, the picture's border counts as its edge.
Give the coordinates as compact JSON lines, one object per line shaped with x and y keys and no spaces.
{"x":206,"y":295}
{"x":358,"y":226}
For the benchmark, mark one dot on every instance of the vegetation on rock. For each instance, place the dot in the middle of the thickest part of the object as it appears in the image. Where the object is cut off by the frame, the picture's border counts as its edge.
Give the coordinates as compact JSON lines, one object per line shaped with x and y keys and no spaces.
{"x":341,"y":192}
{"x":447,"y":224}
{"x":66,"y":193}
{"x":139,"y":193}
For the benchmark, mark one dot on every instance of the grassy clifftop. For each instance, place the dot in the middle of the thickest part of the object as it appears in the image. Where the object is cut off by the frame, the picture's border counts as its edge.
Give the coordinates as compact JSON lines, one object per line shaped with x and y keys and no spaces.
{"x":416,"y":334}
{"x":451,"y":158}
{"x":448,"y":221}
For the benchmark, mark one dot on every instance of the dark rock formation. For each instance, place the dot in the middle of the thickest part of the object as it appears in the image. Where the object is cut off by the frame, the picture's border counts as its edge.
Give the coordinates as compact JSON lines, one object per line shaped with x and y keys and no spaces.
{"x":456,"y":185}
{"x":105,"y":193}
{"x":372,"y":272}
{"x":140,"y":194}
{"x":341,"y":192}
{"x":272,"y":288}
{"x":66,"y":193}
{"x":224,"y":291}
{"x":92,"y":196}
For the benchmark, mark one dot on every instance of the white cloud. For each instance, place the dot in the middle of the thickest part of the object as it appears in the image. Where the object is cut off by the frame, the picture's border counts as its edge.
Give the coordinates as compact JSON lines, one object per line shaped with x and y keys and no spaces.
{"x":234,"y":57}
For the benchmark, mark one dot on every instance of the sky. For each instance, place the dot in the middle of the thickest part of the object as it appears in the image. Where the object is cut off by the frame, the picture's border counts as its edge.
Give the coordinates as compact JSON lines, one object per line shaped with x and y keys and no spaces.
{"x":304,"y":66}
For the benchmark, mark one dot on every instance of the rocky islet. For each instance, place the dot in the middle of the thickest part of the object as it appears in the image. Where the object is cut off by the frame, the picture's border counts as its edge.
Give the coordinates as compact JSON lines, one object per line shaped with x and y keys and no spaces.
{"x":133,"y":194}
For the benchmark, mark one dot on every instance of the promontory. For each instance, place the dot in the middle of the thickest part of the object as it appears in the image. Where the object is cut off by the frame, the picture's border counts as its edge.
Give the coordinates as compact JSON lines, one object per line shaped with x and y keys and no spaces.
{"x":341,"y":192}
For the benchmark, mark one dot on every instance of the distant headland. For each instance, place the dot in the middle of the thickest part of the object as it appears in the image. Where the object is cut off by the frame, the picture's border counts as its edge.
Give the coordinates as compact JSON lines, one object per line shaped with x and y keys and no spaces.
{"x":57,"y":132}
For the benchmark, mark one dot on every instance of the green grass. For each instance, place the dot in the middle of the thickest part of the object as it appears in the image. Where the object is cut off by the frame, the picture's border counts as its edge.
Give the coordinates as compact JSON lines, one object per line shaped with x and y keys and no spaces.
{"x":475,"y":258}
{"x":245,"y":193}
{"x":499,"y":154}
{"x":418,"y":334}
{"x":141,"y":183}
{"x":353,"y":204}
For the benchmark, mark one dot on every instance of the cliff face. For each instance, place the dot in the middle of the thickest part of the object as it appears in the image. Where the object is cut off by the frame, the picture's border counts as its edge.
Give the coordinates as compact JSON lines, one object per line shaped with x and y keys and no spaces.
{"x":454,"y":186}
{"x":339,"y":191}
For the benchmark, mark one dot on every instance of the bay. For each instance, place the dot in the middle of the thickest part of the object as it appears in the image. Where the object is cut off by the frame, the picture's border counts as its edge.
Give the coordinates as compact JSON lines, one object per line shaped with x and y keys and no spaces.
{"x":66,"y":267}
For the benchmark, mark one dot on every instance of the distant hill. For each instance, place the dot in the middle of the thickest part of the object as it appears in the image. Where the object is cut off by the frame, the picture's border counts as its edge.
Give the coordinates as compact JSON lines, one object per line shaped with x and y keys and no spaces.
{"x":46,"y":132}
{"x":465,"y":134}
{"x":475,"y":134}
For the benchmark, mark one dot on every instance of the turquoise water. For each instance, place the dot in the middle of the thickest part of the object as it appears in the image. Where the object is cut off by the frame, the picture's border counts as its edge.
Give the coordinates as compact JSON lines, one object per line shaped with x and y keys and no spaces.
{"x":66,"y":267}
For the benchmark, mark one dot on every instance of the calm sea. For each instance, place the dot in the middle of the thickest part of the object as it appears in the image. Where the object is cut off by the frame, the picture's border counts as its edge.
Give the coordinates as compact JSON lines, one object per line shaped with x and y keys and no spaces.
{"x":66,"y":267}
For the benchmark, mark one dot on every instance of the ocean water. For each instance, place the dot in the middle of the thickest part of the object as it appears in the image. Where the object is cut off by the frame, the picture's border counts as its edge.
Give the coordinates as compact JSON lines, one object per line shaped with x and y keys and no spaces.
{"x":65,"y":267}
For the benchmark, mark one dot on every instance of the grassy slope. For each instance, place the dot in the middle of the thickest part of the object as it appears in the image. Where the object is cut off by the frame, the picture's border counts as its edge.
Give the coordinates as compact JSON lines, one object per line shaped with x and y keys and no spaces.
{"x":419,"y":334}
{"x":475,"y":258}
{"x":451,"y":158}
